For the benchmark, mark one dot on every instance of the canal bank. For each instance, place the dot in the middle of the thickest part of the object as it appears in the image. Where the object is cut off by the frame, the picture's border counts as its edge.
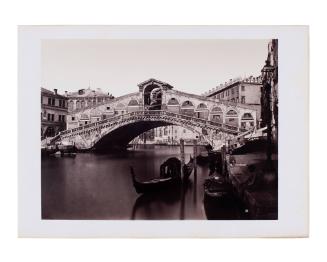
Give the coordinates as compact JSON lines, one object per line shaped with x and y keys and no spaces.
{"x":255,"y":183}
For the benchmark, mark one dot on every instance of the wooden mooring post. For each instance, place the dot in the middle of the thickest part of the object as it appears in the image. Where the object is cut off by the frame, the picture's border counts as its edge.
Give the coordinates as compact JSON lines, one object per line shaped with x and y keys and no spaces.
{"x":182,"y":207}
{"x":195,"y":153}
{"x":182,"y":152}
{"x":223,"y":159}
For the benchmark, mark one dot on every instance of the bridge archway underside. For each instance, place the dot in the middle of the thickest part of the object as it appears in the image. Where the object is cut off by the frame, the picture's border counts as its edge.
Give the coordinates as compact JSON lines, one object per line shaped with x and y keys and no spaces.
{"x":120,"y":130}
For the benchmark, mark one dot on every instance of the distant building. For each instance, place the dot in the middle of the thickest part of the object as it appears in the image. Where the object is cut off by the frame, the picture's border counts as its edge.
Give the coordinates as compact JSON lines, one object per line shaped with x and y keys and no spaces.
{"x":169,"y":135}
{"x":172,"y":134}
{"x":245,"y":91}
{"x":85,"y":98}
{"x":54,"y":108}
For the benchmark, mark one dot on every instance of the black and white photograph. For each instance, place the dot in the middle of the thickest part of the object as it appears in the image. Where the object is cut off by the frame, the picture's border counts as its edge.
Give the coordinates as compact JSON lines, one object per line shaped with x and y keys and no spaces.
{"x":144,"y":124}
{"x":159,"y":129}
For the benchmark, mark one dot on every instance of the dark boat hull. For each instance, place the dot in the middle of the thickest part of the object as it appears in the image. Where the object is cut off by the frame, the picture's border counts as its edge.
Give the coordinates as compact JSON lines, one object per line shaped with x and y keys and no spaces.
{"x":155,"y":185}
{"x":188,"y":168}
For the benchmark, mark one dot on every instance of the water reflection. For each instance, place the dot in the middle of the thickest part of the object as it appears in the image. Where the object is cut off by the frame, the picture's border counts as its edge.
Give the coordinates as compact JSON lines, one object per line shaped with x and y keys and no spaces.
{"x":99,"y":186}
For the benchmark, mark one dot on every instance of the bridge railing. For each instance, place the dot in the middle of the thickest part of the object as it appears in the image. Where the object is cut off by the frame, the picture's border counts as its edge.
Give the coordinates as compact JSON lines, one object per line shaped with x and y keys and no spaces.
{"x":129,"y":115}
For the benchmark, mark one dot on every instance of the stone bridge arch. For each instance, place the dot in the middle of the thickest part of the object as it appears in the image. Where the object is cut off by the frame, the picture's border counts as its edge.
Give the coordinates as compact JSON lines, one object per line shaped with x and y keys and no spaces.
{"x":209,"y":117}
{"x":121,"y":129}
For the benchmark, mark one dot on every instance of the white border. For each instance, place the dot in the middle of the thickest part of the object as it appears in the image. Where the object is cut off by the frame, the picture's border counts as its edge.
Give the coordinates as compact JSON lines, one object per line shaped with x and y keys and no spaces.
{"x":293,"y":135}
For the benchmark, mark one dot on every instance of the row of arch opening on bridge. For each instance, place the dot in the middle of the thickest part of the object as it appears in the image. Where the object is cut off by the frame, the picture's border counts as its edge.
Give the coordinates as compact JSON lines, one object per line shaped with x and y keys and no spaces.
{"x":216,"y":113}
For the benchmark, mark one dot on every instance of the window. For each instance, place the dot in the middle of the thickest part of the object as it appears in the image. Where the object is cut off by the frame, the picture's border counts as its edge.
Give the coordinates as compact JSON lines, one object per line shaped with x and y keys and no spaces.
{"x":243,"y":99}
{"x":242,"y":88}
{"x":232,"y":91}
{"x":49,"y":101}
{"x":59,"y":103}
{"x":108,"y":107}
{"x":52,"y":117}
{"x":53,"y":101}
{"x":184,"y":131}
{"x":73,"y":118}
{"x":49,"y":117}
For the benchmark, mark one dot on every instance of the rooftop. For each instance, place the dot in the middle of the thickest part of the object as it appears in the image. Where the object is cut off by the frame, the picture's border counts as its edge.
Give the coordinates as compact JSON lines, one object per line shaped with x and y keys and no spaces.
{"x":87,"y":93}
{"x":250,"y":79}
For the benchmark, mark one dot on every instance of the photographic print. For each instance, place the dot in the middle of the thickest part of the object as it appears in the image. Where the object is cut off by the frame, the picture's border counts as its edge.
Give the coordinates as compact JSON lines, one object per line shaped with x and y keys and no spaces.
{"x":159,"y":129}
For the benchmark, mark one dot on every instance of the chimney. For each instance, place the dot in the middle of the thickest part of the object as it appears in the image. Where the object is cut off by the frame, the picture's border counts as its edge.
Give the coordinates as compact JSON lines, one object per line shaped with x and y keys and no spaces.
{"x":55,"y":91}
{"x":66,"y":93}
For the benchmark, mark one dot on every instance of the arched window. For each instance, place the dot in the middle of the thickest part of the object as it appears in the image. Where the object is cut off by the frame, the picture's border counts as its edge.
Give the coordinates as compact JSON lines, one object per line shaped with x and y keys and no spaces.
{"x":232,"y":118}
{"x":231,"y":113}
{"x":173,"y":101}
{"x":217,"y":114}
{"x":70,"y":105}
{"x":187,"y":103}
{"x":187,"y":108}
{"x":202,"y":111}
{"x":78,"y":104}
{"x":133,"y":102}
{"x":247,"y":116}
{"x":201,"y":106}
{"x":216,"y":109}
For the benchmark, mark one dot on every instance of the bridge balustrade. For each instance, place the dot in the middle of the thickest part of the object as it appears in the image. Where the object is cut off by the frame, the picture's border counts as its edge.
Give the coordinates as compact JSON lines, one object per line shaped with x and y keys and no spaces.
{"x":161,"y":113}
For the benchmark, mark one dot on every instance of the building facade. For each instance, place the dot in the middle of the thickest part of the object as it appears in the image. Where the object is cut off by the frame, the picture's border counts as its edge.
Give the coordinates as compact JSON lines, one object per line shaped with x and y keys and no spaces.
{"x":167,"y":135}
{"x":269,"y":98}
{"x":240,"y":91}
{"x":54,"y":109}
{"x":85,"y":98}
{"x":244,"y":91}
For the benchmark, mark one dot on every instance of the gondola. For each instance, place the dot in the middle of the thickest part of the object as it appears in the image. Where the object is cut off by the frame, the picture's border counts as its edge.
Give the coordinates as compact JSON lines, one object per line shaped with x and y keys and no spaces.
{"x":188,"y":168}
{"x":170,"y":176}
{"x":217,"y":189}
{"x":219,"y":201}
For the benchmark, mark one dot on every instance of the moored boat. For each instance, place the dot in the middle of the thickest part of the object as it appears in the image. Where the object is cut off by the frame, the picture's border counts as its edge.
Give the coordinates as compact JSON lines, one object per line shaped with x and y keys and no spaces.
{"x":216,"y":188}
{"x":170,"y":176}
{"x":188,"y":168}
{"x":153,"y":185}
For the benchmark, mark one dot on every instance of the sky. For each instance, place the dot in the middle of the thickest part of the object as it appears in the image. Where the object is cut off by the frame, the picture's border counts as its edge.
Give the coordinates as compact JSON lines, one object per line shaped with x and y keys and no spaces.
{"x":118,"y":66}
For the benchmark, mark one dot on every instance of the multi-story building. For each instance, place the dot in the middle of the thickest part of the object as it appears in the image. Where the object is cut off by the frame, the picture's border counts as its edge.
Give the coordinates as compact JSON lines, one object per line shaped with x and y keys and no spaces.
{"x":85,"y":98}
{"x":169,"y":135}
{"x":239,"y":90}
{"x":269,"y":99}
{"x":54,"y":108}
{"x":172,"y":134}
{"x":245,"y":91}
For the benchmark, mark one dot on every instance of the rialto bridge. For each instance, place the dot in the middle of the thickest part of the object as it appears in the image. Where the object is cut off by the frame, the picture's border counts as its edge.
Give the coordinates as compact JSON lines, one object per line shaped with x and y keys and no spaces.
{"x":118,"y":121}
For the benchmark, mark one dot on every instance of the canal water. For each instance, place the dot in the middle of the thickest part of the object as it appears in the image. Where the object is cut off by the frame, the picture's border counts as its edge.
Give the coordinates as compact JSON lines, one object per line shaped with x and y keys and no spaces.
{"x":99,"y":186}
